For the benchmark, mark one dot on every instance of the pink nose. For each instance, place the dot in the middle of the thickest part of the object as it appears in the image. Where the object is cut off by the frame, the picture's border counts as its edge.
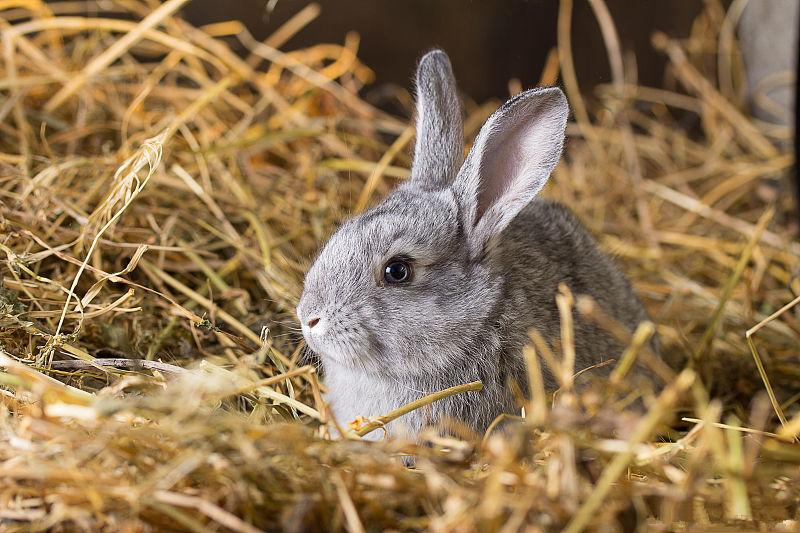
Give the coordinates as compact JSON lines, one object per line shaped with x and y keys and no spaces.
{"x":313,"y":322}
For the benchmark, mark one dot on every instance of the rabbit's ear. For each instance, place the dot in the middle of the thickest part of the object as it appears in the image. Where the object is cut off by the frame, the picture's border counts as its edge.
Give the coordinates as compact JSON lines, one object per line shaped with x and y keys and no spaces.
{"x":510,"y":162}
{"x":439,"y":150}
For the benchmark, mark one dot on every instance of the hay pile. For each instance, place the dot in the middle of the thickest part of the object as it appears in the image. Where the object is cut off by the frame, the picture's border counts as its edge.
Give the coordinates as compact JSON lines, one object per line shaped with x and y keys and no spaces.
{"x":160,"y":197}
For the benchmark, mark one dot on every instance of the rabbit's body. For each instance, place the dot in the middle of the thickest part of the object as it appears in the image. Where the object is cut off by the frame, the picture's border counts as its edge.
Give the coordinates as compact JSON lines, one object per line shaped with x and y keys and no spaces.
{"x":548,"y":239}
{"x":440,"y":284}
{"x":559,"y":250}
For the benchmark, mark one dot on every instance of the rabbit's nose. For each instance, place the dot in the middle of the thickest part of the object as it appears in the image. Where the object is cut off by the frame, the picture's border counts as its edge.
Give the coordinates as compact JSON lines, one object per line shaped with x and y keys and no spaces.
{"x":315,"y":326}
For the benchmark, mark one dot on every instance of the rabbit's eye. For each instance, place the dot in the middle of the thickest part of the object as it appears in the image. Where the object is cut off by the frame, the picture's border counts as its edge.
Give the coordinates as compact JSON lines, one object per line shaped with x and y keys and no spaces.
{"x":397,"y":271}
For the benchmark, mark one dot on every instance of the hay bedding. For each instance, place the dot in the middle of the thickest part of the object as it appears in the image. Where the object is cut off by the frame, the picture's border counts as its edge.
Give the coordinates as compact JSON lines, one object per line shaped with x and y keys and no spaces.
{"x":160,"y":197}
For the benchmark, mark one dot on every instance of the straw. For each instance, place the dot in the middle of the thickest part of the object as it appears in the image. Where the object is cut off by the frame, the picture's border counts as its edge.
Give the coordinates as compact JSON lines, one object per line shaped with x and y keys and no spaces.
{"x":165,"y":187}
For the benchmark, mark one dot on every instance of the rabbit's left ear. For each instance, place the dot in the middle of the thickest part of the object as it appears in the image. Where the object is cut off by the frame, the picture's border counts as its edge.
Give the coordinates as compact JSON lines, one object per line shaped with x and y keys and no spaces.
{"x":439,"y":149}
{"x":510,"y":162}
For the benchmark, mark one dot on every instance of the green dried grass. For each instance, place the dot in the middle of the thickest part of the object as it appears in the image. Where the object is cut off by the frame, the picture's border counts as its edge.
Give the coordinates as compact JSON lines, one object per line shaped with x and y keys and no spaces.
{"x":160,"y":197}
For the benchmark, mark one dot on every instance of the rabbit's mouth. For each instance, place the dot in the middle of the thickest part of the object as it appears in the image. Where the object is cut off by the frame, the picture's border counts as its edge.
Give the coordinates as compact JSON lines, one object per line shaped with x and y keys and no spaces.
{"x":342,"y":346}
{"x":340,"y":353}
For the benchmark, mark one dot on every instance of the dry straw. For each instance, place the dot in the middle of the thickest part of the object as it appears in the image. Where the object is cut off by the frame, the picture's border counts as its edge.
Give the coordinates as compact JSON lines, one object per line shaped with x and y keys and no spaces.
{"x":161,"y":193}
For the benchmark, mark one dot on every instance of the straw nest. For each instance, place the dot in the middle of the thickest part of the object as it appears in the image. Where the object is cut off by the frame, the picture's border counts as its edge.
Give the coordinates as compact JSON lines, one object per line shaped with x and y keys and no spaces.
{"x":161,"y":194}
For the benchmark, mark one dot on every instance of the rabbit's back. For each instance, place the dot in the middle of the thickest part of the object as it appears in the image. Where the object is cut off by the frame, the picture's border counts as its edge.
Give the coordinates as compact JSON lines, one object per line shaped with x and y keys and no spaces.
{"x":547,"y":245}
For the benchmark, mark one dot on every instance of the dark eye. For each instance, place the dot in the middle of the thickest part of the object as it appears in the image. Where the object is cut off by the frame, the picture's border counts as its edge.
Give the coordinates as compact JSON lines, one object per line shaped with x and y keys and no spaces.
{"x":397,"y":271}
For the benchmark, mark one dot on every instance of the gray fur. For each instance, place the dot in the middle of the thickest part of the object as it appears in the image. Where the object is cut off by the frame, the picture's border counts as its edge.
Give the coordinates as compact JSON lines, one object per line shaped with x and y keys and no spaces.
{"x":487,"y":258}
{"x":439,"y":149}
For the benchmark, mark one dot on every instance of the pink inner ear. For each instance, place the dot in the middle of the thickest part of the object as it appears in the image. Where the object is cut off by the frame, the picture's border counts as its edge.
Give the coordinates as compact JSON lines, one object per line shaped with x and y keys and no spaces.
{"x":503,"y":161}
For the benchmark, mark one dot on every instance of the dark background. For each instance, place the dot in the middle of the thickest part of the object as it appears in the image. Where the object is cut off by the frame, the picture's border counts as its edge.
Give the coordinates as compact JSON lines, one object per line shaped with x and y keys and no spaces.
{"x":489,"y":42}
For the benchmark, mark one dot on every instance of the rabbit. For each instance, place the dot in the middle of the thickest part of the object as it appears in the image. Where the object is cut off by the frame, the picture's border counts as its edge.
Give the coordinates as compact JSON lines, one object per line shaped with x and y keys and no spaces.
{"x":440,"y":283}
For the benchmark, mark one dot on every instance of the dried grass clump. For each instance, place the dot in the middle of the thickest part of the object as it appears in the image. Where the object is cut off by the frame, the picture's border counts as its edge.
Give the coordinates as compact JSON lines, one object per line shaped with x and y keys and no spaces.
{"x":160,"y":196}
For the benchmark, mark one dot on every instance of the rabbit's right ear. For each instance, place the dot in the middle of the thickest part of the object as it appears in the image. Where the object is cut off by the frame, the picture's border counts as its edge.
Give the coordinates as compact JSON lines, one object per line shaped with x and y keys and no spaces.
{"x":439,"y":149}
{"x":510,"y":162}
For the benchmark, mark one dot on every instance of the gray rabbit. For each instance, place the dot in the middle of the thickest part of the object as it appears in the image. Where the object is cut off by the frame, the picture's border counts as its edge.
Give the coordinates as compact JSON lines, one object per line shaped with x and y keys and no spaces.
{"x":440,"y":283}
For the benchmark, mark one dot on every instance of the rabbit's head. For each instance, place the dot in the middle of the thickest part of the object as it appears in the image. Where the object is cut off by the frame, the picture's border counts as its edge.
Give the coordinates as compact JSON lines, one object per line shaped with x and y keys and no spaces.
{"x":407,"y":288}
